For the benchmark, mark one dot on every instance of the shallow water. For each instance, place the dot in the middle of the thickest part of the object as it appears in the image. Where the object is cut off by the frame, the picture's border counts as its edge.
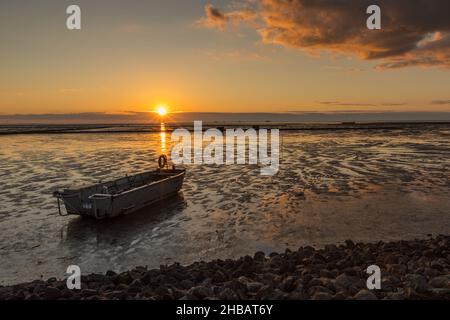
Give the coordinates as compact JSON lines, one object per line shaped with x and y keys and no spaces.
{"x":368,"y":186}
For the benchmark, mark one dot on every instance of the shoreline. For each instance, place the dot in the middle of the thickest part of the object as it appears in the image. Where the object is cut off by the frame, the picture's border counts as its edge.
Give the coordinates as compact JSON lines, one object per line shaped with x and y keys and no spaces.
{"x":169,"y":127}
{"x":412,"y":270}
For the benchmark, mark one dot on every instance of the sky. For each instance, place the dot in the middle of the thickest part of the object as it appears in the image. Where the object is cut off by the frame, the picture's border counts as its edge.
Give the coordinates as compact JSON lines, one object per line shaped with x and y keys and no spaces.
{"x":249,"y":56}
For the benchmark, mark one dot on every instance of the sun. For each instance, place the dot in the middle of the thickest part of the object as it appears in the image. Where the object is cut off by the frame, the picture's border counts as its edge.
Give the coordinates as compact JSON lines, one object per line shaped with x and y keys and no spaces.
{"x":161,"y":110}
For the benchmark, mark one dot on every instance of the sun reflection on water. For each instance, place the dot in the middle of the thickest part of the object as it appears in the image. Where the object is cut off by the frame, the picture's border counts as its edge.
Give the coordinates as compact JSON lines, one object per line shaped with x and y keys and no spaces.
{"x":163,"y":138}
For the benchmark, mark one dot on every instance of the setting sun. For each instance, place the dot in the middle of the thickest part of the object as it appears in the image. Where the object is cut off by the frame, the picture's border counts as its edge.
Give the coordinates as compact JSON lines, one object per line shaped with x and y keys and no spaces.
{"x":162,"y":110}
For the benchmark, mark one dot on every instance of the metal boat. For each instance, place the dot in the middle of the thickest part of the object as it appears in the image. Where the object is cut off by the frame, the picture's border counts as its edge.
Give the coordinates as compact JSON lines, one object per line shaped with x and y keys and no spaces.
{"x":122,"y":196}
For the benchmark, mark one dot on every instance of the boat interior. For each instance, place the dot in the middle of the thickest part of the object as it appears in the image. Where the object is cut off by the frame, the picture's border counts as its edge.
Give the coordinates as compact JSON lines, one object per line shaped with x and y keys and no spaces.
{"x":127,"y":183}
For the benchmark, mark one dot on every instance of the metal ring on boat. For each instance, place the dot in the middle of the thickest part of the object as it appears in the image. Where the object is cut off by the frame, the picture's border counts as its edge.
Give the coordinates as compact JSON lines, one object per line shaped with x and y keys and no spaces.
{"x":162,"y":161}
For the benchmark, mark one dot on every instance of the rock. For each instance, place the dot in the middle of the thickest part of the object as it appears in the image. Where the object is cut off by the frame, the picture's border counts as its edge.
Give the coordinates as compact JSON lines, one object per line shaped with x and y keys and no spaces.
{"x":124,"y":278}
{"x":315,"y":282}
{"x":177,"y":294}
{"x":51,"y":293}
{"x":410,"y":293}
{"x":200,"y":292}
{"x":275,"y":261}
{"x":186,"y":284}
{"x":340,"y":296}
{"x":319,"y":289}
{"x":416,"y":269}
{"x":353,"y":290}
{"x":437,"y":264}
{"x":175,"y":274}
{"x":395,"y":296}
{"x":441,"y":293}
{"x":428,"y":253}
{"x":306,"y":252}
{"x":440,"y":282}
{"x":391,"y":259}
{"x":352,"y":271}
{"x":52,"y":280}
{"x":244,"y":280}
{"x":32,"y":296}
{"x":136,"y":284}
{"x":322,"y":296}
{"x":107,"y":287}
{"x":288,"y":284}
{"x":111,"y":274}
{"x":19,"y":295}
{"x":397,"y":269}
{"x":67,"y":294}
{"x":134,"y":274}
{"x":326,"y":274}
{"x":295,"y":295}
{"x":122,"y":287}
{"x":133,"y":290}
{"x":259,"y":256}
{"x":254,"y":287}
{"x":417,"y":282}
{"x":343,"y":263}
{"x":317,"y":258}
{"x":350,"y":244}
{"x":228,"y":294}
{"x":219,"y":277}
{"x":162,"y":291}
{"x":343,"y":282}
{"x":39,"y":289}
{"x":88,"y":293}
{"x":365,"y":295}
{"x":264,"y":293}
{"x":331,"y":247}
{"x":430,"y":273}
{"x":279,"y":295}
{"x":118,"y":295}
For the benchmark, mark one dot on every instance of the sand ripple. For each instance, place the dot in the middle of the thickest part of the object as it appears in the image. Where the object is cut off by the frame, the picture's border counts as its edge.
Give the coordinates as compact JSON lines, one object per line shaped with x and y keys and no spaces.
{"x":331,"y":186}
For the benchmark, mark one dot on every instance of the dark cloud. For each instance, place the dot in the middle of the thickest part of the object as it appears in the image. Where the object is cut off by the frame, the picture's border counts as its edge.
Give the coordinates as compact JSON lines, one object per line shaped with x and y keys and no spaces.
{"x":440,"y":102}
{"x":414,"y":33}
{"x":347,"y":104}
{"x":216,"y":19}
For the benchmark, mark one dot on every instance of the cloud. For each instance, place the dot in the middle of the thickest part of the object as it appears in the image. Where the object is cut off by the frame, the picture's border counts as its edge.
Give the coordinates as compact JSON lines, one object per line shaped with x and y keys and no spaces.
{"x":440,"y":102}
{"x":414,"y":33}
{"x":347,"y":104}
{"x":216,"y":19}
{"x":70,"y":90}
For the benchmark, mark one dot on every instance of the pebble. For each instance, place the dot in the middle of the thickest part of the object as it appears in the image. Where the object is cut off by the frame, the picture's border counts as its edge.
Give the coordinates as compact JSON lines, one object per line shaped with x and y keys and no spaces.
{"x":51,"y":293}
{"x":322,"y":296}
{"x":417,"y":282}
{"x":254,"y":287}
{"x":440,"y":282}
{"x":259,"y":256}
{"x":365,"y":295}
{"x":418,"y":269}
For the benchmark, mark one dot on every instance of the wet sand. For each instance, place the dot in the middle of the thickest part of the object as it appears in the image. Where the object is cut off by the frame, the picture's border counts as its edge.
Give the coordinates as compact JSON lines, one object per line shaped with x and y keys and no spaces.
{"x":368,"y":186}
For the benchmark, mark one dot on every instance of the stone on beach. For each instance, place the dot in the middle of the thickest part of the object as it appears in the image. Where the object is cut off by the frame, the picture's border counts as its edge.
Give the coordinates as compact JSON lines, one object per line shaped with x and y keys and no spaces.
{"x":417,"y":269}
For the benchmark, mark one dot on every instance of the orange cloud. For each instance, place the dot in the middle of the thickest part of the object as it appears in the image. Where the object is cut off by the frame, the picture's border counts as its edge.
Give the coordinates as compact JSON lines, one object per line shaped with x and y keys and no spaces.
{"x":414,"y":33}
{"x":216,"y":19}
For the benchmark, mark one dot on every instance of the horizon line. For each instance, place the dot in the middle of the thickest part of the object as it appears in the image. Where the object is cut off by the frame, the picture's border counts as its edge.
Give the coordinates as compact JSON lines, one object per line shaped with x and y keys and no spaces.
{"x":290,"y":116}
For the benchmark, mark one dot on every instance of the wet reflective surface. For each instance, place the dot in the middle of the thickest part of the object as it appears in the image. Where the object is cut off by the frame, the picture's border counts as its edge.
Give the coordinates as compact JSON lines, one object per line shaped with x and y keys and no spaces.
{"x":368,"y":186}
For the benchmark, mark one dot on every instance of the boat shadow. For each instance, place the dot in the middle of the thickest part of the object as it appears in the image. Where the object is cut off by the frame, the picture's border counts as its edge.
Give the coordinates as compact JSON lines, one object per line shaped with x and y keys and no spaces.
{"x":81,"y":230}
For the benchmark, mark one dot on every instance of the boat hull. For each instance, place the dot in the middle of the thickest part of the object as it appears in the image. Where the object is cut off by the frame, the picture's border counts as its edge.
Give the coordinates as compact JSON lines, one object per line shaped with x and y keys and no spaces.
{"x":138,"y":192}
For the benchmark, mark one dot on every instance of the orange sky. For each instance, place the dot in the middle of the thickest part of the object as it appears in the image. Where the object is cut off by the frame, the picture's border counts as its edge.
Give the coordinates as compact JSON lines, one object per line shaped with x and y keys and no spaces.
{"x":151,"y":54}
